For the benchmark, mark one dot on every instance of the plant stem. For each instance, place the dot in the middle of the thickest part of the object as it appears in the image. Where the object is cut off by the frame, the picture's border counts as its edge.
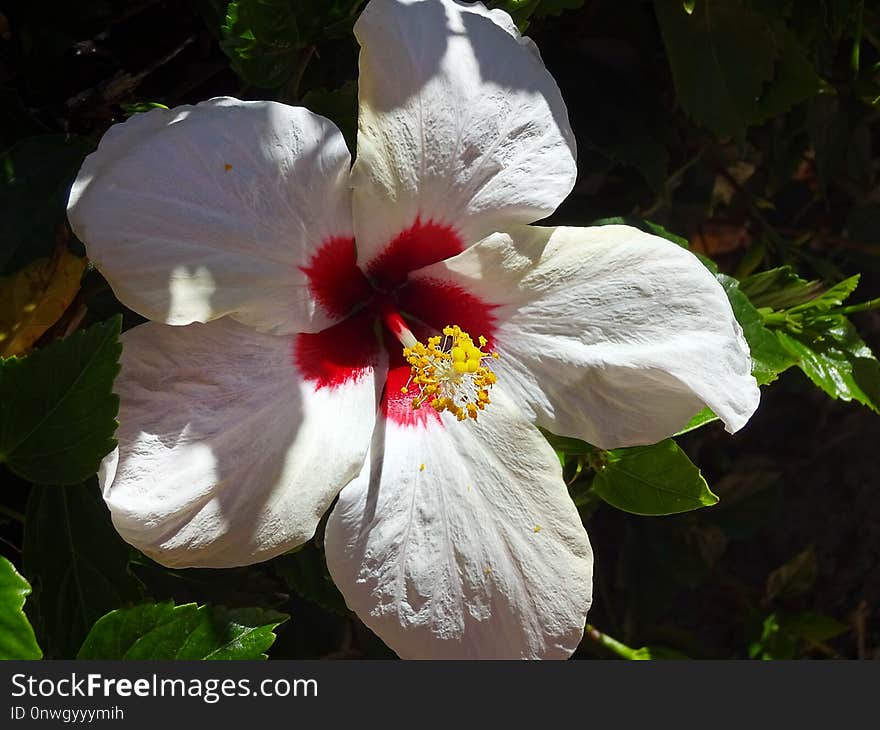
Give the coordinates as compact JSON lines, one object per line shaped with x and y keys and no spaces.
{"x":610,"y":643}
{"x":863,"y":307}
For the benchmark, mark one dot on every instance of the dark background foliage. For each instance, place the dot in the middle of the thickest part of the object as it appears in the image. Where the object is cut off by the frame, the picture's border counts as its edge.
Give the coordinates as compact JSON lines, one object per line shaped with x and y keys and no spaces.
{"x":748,"y":127}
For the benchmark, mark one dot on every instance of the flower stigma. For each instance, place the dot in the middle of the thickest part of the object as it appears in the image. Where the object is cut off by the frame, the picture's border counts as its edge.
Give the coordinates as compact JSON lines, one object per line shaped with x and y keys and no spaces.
{"x":448,"y":373}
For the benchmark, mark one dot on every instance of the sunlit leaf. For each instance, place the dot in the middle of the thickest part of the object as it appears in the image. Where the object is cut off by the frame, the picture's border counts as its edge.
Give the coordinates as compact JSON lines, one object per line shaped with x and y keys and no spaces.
{"x":829,"y":299}
{"x":769,"y":357}
{"x":17,"y":640}
{"x":837,"y":360}
{"x":779,"y":288}
{"x":651,"y":480}
{"x":166,"y":631}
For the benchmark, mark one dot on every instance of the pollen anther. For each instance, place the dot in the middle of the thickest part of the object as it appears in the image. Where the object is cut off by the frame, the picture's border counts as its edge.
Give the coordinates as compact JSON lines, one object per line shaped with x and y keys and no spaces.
{"x":449,"y":375}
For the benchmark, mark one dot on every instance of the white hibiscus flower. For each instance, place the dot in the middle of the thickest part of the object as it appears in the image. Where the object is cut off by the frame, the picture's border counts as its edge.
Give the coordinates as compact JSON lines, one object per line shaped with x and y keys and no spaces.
{"x":283,"y":287}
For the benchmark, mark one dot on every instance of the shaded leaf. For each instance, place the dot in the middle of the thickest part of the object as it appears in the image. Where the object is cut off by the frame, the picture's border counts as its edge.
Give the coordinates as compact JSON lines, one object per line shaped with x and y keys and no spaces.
{"x":645,"y":154}
{"x":794,"y":578}
{"x":57,"y":408}
{"x":17,"y":640}
{"x":339,"y":105}
{"x":305,"y":572}
{"x":705,"y":49}
{"x":35,"y":178}
{"x":230,"y":587}
{"x":834,"y":127}
{"x":264,"y":39}
{"x":794,"y":77}
{"x":782,"y":634}
{"x":77,"y":564}
{"x":557,"y":7}
{"x":166,"y":631}
{"x":813,"y":626}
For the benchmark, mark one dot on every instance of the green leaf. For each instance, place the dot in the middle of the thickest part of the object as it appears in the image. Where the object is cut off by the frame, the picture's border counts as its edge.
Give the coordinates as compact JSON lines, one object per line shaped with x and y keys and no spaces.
{"x":339,"y":105}
{"x":774,"y":642}
{"x":863,"y":223}
{"x":264,"y":39}
{"x":557,"y":7}
{"x":568,"y":445}
{"x":769,"y":357}
{"x":657,"y":653}
{"x":57,"y":408}
{"x":840,"y":136}
{"x":794,"y":79}
{"x":519,"y":10}
{"x":231,"y":587}
{"x":643,"y":152}
{"x":651,"y":480}
{"x":716,"y":84}
{"x":813,"y":626}
{"x":832,"y":355}
{"x":305,"y":573}
{"x":522,"y":10}
{"x":782,"y":634}
{"x":141,"y":107}
{"x":794,"y":578}
{"x":35,"y":178}
{"x":166,"y":631}
{"x":77,"y":564}
{"x":701,"y":419}
{"x":659,"y":230}
{"x":829,"y":299}
{"x":779,"y":288}
{"x":17,"y":640}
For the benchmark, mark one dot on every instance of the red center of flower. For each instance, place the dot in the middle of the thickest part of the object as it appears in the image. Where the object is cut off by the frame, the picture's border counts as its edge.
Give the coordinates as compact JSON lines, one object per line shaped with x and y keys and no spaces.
{"x":377,"y":305}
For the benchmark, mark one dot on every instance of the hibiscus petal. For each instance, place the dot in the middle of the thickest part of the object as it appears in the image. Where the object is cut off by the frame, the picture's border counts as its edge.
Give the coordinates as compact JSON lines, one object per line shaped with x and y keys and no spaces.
{"x":201,"y":211}
{"x":607,"y":334}
{"x":459,"y":540}
{"x":224,"y":443}
{"x":461,"y":126}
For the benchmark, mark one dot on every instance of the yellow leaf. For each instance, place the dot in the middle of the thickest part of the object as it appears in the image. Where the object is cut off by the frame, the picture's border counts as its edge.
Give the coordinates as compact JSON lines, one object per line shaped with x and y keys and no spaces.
{"x":33,"y":299}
